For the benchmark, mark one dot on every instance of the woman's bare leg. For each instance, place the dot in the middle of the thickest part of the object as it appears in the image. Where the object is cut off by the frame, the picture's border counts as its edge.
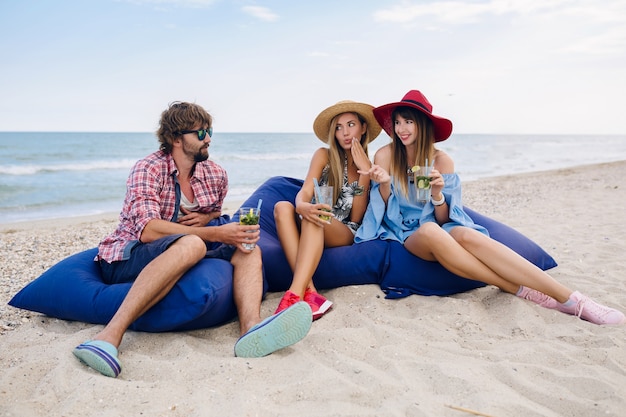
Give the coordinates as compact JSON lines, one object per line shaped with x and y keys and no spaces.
{"x":304,"y":246}
{"x":287,"y":229}
{"x":508,"y":264}
{"x":478,"y":257}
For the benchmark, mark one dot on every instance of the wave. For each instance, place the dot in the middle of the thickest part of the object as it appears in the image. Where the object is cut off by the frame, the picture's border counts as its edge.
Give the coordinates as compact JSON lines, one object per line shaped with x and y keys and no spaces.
{"x":85,"y":166}
{"x":262,"y":157}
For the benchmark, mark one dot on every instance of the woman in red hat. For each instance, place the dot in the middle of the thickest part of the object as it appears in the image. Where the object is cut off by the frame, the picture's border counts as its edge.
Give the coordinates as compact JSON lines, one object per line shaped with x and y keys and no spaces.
{"x":439,"y":229}
{"x":347,"y":128}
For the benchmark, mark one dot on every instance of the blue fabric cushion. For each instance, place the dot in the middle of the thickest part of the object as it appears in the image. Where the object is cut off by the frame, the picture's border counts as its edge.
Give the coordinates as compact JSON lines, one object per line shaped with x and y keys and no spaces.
{"x":408,"y":274}
{"x":430,"y":278}
{"x":73,"y":290}
{"x":514,"y":240}
{"x":347,"y":265}
{"x":375,"y":262}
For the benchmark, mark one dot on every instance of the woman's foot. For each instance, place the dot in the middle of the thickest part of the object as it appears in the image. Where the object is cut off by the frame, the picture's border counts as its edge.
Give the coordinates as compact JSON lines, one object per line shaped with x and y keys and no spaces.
{"x":318,"y":303}
{"x":289,"y":299}
{"x":584,"y":307}
{"x":578,"y":305}
{"x":537,"y":297}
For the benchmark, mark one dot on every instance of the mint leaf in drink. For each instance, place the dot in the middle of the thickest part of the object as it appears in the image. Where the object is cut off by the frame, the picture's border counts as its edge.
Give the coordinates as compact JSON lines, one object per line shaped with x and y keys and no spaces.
{"x":249,"y":218}
{"x":423,"y":182}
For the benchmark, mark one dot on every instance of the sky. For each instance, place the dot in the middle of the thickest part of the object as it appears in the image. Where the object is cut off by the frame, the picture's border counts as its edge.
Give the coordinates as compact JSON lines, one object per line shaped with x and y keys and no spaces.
{"x":491,"y":66}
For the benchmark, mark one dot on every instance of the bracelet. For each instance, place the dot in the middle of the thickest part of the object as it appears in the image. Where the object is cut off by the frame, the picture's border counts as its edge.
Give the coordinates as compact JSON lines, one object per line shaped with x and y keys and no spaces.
{"x":439,"y":202}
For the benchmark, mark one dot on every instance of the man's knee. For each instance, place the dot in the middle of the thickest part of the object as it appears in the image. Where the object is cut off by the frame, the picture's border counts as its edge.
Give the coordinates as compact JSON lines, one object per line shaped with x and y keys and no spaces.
{"x":248,"y":259}
{"x":191,"y":247}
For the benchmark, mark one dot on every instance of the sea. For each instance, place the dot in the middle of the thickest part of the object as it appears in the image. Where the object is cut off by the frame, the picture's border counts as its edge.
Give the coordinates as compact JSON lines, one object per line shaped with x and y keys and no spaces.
{"x":48,"y":175}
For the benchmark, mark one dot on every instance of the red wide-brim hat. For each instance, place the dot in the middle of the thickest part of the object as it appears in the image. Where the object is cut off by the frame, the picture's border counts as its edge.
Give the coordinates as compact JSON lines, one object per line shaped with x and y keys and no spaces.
{"x":415,"y":100}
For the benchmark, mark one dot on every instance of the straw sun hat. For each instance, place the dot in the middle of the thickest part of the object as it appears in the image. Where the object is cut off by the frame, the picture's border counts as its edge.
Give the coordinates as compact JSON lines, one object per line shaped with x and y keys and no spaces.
{"x":321,"y":125}
{"x":416,"y":100}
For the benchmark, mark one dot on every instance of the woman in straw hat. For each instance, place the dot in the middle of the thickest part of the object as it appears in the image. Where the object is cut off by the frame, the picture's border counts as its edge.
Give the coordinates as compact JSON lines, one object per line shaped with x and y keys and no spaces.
{"x":347,"y":128}
{"x":439,"y":229}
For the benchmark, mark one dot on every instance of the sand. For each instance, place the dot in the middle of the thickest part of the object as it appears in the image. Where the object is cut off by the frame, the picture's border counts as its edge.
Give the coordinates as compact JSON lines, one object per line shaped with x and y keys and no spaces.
{"x":483,"y":352}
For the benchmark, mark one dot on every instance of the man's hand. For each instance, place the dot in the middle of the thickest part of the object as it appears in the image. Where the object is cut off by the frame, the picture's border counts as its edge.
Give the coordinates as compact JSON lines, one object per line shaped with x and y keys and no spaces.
{"x":194,"y":218}
{"x":236,"y":234}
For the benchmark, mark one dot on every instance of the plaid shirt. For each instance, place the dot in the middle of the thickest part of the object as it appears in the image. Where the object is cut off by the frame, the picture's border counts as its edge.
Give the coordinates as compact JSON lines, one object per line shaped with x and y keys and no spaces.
{"x":152,"y":192}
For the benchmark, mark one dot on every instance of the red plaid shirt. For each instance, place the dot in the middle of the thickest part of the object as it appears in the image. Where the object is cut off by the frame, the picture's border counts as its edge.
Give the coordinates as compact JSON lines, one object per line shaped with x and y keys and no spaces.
{"x":151,"y":193}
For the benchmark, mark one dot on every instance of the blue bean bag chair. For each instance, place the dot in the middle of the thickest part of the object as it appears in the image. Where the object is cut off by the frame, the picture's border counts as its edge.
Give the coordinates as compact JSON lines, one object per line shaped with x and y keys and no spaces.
{"x":73,"y":288}
{"x":348,"y":265}
{"x":385,"y":263}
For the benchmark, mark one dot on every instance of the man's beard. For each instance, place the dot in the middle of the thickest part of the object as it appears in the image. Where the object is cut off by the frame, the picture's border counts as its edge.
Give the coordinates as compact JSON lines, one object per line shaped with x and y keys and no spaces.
{"x":200,"y":156}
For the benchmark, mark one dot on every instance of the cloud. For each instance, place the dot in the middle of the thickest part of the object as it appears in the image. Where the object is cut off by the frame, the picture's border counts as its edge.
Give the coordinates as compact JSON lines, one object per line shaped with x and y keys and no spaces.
{"x":461,"y":12}
{"x":446,"y":11}
{"x":583,"y":27}
{"x":317,"y":54}
{"x":611,"y":43}
{"x":180,"y":3}
{"x":261,"y":13}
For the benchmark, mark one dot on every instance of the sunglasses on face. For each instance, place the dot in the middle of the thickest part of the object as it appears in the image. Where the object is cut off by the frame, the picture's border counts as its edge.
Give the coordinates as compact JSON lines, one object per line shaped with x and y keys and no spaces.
{"x":201,"y":133}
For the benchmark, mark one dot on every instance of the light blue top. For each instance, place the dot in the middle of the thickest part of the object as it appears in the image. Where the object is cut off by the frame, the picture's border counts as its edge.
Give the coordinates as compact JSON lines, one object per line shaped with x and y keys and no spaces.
{"x":400,"y":217}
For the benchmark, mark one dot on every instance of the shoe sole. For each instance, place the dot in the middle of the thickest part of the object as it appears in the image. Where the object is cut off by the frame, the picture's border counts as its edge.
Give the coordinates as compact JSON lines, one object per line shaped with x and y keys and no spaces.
{"x":276,"y":332}
{"x":99,"y":356}
{"x":327,"y":305}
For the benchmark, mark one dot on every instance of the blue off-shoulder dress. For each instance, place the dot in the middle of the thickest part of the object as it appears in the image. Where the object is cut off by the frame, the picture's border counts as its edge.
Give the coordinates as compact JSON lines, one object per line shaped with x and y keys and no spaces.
{"x":402,"y":216}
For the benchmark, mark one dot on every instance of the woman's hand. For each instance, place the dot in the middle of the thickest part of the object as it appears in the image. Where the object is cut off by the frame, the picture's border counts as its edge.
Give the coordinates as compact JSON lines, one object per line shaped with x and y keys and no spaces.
{"x":436,"y":184}
{"x":359,"y":156}
{"x":312,"y":212}
{"x":377,"y":173}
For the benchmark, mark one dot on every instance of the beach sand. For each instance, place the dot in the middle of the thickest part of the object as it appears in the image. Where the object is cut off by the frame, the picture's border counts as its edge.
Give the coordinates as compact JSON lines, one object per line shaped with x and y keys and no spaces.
{"x":483,"y":352}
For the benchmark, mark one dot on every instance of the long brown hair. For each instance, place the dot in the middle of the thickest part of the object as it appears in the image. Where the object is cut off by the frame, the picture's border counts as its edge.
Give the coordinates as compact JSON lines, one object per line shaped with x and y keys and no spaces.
{"x":337,"y":155}
{"x":425,"y":144}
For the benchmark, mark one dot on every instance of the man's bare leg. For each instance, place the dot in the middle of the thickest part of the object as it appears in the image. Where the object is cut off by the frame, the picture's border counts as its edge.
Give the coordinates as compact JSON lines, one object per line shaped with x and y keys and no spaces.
{"x":248,"y":287}
{"x":260,"y":338}
{"x":152,"y":284}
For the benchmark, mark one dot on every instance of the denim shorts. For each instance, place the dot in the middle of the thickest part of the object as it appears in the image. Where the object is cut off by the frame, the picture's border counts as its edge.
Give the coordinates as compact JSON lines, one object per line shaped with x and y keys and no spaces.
{"x":142,"y":254}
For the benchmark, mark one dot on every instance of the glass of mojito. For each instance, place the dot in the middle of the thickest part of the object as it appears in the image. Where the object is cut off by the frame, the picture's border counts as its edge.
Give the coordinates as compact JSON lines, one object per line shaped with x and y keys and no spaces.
{"x":325,"y":197}
{"x":421,"y":179}
{"x":249,"y":216}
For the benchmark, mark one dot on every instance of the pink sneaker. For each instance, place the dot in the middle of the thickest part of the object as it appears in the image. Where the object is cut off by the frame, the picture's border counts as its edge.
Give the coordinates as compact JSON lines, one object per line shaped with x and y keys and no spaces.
{"x":287,"y":301}
{"x":584,"y":307}
{"x":537,"y":297}
{"x":319,"y":304}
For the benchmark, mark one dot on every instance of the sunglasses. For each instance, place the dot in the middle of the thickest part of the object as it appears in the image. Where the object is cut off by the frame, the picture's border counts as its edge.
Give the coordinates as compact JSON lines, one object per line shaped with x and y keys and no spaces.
{"x":201,"y":133}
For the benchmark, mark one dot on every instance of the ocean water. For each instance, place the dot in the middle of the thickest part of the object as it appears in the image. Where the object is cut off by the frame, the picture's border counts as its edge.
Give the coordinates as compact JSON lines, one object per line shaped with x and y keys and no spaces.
{"x":47,"y":175}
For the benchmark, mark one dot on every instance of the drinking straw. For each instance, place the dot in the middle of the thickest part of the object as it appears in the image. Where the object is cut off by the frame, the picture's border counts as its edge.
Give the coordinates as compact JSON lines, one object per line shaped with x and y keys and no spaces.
{"x":318,"y":193}
{"x":258,"y":207}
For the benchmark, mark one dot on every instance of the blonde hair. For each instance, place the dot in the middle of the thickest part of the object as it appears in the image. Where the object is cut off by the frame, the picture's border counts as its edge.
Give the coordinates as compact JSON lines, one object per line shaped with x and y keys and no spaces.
{"x":337,"y":155}
{"x":425,"y":144}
